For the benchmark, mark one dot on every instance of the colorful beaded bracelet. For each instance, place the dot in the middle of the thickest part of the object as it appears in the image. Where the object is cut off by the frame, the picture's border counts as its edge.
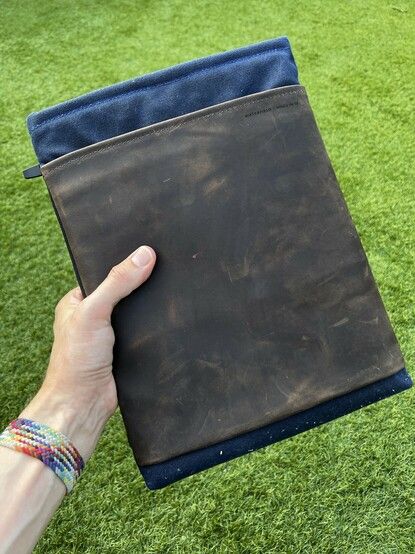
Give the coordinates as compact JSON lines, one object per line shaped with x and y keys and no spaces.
{"x":44,"y":443}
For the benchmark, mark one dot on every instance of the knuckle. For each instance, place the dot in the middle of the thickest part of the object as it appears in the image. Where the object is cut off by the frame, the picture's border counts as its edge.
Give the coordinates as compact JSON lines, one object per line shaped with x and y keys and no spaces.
{"x":82,"y":312}
{"x":56,"y":327}
{"x":119,"y":273}
{"x":59,"y":307}
{"x":80,"y":320}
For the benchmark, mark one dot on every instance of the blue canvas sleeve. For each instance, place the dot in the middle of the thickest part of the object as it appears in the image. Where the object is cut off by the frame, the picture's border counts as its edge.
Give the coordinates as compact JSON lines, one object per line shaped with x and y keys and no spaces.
{"x":161,"y":95}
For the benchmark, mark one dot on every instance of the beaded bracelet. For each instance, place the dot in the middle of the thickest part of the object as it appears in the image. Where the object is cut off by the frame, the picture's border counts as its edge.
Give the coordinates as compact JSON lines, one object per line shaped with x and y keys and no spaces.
{"x":44,"y":443}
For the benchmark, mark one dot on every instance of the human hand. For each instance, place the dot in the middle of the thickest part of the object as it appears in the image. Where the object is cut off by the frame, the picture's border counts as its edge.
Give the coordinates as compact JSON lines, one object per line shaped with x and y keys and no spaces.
{"x":78,"y":394}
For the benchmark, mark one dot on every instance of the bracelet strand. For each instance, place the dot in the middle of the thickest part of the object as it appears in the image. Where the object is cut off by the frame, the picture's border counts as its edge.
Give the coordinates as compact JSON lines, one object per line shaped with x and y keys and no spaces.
{"x":53,"y":448}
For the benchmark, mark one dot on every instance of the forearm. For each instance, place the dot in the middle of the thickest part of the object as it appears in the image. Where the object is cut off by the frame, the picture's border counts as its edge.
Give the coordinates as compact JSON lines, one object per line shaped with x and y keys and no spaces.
{"x":29,"y":495}
{"x":30,"y":492}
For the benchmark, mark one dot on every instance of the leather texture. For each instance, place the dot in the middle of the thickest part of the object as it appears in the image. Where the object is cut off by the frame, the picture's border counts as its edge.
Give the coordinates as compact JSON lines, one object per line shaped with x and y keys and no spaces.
{"x":262,"y":304}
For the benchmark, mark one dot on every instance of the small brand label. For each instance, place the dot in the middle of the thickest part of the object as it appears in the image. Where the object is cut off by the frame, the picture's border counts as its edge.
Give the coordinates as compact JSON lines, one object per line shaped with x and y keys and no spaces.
{"x":250,"y":114}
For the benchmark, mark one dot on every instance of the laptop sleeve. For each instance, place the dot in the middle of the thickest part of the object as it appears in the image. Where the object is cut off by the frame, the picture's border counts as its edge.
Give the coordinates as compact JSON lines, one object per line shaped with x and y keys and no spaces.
{"x":262,"y":318}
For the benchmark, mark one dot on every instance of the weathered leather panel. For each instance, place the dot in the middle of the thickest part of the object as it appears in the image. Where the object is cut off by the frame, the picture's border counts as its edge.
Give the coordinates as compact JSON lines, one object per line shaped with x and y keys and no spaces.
{"x":262,"y":303}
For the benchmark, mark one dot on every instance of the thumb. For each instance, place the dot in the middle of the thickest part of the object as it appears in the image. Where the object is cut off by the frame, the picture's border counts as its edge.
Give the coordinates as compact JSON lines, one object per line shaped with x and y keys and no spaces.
{"x":120,"y":282}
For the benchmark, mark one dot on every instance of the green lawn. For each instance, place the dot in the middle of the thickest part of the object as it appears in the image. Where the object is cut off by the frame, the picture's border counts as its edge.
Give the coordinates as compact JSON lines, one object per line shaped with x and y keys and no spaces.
{"x":347,"y":487}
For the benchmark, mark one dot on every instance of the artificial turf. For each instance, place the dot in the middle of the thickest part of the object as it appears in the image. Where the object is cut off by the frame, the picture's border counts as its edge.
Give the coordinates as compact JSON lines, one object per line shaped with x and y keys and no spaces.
{"x":346,"y":487}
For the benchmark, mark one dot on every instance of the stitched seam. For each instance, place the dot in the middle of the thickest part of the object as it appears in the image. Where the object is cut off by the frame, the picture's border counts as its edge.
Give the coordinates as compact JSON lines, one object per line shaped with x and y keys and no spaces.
{"x":155,"y":85}
{"x":170,"y":127}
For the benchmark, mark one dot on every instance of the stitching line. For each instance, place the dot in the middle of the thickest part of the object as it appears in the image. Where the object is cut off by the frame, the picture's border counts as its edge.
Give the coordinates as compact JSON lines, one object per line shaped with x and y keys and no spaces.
{"x":155,"y":85}
{"x":161,"y":131}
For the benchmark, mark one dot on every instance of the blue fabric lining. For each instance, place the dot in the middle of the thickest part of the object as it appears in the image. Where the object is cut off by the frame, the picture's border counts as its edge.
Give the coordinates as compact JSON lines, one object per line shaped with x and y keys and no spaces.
{"x":160,"y":475}
{"x":161,"y":95}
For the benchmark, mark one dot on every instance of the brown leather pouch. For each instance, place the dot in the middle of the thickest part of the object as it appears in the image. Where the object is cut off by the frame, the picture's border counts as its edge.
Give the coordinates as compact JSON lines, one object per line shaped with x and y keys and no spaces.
{"x":262,"y":306}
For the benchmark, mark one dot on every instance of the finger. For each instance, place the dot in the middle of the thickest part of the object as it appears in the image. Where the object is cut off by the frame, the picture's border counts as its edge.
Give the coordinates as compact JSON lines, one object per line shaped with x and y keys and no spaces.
{"x":77,"y":295}
{"x":121,"y":281}
{"x":67,"y":304}
{"x":71,"y":298}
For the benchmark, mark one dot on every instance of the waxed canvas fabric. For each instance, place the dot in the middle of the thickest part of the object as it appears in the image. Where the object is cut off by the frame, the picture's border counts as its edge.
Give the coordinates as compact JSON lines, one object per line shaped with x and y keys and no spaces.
{"x":167,"y":94}
{"x":161,"y":95}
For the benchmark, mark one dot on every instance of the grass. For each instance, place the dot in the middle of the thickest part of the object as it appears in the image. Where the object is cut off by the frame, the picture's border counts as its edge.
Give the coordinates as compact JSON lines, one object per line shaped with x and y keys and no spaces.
{"x":347,"y":487}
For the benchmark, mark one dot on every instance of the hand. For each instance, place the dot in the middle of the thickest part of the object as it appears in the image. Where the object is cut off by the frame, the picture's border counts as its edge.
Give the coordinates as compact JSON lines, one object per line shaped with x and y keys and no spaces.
{"x":78,"y":394}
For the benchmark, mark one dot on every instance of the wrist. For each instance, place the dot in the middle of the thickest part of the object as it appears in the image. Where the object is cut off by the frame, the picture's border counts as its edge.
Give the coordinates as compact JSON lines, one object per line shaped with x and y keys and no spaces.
{"x":80,"y":422}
